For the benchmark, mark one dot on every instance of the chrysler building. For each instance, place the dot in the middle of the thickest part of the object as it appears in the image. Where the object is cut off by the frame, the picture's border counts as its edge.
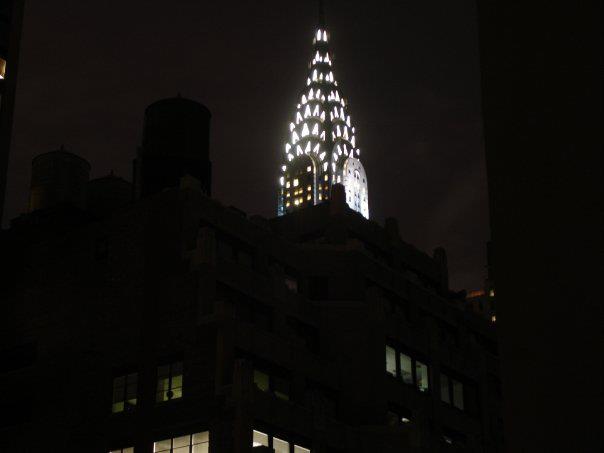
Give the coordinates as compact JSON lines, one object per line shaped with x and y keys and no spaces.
{"x":322,"y":148}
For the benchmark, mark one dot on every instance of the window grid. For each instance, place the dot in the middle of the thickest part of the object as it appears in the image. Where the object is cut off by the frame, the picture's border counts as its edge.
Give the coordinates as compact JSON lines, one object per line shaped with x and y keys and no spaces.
{"x":169,"y":382}
{"x":124,"y":393}
{"x":451,"y":391}
{"x":273,"y":384}
{"x":190,"y":443}
{"x":278,"y":445}
{"x":410,"y":370}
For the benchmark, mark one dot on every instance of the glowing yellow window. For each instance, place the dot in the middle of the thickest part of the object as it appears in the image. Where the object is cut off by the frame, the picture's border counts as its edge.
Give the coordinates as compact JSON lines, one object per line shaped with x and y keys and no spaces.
{"x":124,"y":392}
{"x":326,"y":177}
{"x":287,"y":204}
{"x":308,"y":197}
{"x":320,"y":197}
{"x":296,"y":182}
{"x":169,"y":382}
{"x":309,"y":188}
{"x":287,"y":184}
{"x":309,"y":169}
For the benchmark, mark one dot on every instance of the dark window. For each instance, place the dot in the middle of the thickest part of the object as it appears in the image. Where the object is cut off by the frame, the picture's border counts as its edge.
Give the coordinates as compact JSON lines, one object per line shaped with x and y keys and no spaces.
{"x":398,"y":415}
{"x":305,"y":332}
{"x":452,"y":391}
{"x":318,"y":288}
{"x":321,"y":399}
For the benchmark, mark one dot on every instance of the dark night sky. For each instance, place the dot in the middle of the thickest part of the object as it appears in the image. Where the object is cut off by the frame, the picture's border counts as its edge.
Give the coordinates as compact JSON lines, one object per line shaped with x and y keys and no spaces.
{"x":409,"y":70}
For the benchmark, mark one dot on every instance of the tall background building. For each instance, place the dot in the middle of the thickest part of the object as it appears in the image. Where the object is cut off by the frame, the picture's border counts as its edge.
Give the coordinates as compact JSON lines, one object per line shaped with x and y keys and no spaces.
{"x":542,"y":106}
{"x":11,"y":17}
{"x":322,"y":147}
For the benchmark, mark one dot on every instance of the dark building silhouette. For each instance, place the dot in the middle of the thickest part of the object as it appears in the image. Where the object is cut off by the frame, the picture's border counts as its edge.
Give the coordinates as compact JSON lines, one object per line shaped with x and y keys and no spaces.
{"x":58,"y":178}
{"x":542,"y":105}
{"x":107,"y":194}
{"x":176,"y":141}
{"x":172,"y":321}
{"x":11,"y":19}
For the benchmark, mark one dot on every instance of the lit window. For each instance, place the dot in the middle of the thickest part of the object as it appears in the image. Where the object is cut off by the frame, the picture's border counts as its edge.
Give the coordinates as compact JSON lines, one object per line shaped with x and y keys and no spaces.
{"x":280,"y":446}
{"x":191,"y":443}
{"x":259,"y":439}
{"x":2,"y":68}
{"x":308,"y":197}
{"x":296,"y":182}
{"x":309,"y":187}
{"x":287,"y":184}
{"x":458,"y":401}
{"x":493,"y":318}
{"x":261,"y":380}
{"x":326,"y":178}
{"x":390,"y":361}
{"x":281,"y":180}
{"x":269,"y":383}
{"x":406,"y":369}
{"x":169,"y":382}
{"x":124,"y":393}
{"x":287,"y":204}
{"x":299,"y":449}
{"x":305,"y":130}
{"x":309,"y":169}
{"x":421,"y":372}
{"x":123,"y":450}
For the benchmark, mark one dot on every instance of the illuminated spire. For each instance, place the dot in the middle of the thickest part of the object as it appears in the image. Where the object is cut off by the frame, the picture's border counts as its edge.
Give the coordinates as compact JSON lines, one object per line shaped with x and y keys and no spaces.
{"x":321,"y":123}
